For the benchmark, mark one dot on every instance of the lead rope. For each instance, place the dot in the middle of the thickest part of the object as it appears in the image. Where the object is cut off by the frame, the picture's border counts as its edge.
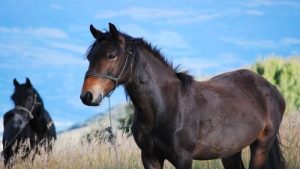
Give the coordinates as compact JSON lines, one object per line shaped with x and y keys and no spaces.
{"x":112,"y":135}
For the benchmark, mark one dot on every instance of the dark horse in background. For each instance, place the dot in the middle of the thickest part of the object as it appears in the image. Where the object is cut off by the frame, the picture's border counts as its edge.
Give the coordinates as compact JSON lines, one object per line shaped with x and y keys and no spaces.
{"x":179,"y":119}
{"x":29,"y":120}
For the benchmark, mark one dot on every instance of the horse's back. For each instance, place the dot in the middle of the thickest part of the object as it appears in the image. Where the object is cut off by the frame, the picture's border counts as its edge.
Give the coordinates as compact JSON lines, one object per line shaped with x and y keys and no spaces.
{"x":233,"y":107}
{"x":249,"y":88}
{"x":254,"y":83}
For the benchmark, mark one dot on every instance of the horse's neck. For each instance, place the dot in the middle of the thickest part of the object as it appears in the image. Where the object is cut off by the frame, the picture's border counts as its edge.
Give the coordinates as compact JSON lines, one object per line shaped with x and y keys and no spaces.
{"x":39,"y":121}
{"x":145,"y":89}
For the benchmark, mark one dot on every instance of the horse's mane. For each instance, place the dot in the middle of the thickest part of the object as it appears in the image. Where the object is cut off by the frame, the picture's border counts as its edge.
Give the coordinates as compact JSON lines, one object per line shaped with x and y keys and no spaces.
{"x":183,"y":76}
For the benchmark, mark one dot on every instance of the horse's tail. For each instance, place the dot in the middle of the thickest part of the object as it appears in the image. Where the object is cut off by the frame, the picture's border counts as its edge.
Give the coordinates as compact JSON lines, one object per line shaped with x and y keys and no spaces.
{"x":275,"y":158}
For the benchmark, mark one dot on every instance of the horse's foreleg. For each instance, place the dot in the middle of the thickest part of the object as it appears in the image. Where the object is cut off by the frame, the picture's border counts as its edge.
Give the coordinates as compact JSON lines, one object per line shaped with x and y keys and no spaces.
{"x":234,"y":161}
{"x":184,"y":164}
{"x":151,"y":162}
{"x":183,"y":161}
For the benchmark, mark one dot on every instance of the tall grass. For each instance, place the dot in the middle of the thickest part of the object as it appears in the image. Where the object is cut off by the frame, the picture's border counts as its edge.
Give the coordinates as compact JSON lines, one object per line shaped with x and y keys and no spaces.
{"x":72,"y":153}
{"x":290,"y":138}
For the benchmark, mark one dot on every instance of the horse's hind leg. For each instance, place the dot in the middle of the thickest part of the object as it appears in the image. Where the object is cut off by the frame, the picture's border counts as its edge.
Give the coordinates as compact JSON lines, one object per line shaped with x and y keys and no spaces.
{"x":233,"y":162}
{"x":260,"y":149}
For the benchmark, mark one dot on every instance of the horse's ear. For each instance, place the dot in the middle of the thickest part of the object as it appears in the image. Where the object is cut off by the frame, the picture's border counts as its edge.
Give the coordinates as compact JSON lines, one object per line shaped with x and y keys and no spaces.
{"x":113,"y":30}
{"x":16,"y":83}
{"x":28,"y":83}
{"x":95,"y":32}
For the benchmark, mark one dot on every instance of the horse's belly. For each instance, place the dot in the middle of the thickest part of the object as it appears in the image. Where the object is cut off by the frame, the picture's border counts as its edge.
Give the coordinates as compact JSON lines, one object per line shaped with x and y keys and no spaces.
{"x":214,"y":152}
{"x":223,"y":140}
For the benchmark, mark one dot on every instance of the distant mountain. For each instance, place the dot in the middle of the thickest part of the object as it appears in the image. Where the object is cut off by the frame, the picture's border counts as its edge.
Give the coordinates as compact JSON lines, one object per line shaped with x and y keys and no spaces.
{"x":99,"y":121}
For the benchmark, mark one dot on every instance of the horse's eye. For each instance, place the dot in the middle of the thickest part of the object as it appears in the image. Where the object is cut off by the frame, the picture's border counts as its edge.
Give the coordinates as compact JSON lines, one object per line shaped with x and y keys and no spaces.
{"x":111,"y":56}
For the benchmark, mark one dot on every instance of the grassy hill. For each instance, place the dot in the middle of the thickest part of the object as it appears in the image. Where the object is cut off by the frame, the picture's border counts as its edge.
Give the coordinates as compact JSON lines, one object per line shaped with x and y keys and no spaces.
{"x":97,"y":122}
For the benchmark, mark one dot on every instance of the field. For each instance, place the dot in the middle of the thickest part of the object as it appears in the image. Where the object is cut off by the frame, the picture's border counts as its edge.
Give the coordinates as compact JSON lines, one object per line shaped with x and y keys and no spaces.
{"x":70,"y":152}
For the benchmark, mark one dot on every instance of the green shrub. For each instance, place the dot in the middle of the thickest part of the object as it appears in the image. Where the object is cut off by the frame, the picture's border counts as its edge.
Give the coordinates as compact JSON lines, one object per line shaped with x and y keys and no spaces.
{"x":125,"y":121}
{"x":285,"y":74}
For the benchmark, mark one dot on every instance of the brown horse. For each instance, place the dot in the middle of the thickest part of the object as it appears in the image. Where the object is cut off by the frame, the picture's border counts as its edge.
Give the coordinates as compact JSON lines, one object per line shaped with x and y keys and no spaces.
{"x":179,"y":119}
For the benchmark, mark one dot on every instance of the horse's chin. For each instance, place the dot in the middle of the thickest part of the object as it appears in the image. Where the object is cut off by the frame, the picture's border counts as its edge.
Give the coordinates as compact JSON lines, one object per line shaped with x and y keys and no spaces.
{"x":95,"y":103}
{"x":92,"y":104}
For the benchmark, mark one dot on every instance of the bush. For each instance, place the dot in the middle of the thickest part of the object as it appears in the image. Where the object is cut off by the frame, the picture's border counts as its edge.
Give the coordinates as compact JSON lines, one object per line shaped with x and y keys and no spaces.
{"x":125,"y":122}
{"x":99,"y":136}
{"x":285,"y":74}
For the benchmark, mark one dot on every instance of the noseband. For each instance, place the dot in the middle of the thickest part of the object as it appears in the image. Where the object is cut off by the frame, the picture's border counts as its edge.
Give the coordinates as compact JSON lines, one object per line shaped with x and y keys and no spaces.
{"x":35,"y":102}
{"x":115,"y":79}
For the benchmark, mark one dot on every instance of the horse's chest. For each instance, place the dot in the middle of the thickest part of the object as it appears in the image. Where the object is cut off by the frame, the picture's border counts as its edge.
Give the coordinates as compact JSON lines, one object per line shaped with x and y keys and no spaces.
{"x":150,"y":141}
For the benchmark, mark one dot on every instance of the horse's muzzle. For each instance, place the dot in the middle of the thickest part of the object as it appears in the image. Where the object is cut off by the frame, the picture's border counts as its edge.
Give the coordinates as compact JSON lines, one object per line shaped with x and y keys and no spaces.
{"x":87,"y":99}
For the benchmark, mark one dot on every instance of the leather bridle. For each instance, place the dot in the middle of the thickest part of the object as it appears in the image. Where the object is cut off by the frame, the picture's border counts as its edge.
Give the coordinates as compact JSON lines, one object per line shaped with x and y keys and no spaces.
{"x":115,"y":79}
{"x":29,"y":111}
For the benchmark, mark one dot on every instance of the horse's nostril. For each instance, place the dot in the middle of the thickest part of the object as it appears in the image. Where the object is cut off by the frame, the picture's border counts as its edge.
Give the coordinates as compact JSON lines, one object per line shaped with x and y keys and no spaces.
{"x":87,"y":98}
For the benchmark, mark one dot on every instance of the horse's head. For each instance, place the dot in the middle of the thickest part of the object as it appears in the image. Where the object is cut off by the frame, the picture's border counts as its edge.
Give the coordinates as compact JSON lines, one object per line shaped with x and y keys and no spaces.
{"x":108,"y":65}
{"x":26,"y":97}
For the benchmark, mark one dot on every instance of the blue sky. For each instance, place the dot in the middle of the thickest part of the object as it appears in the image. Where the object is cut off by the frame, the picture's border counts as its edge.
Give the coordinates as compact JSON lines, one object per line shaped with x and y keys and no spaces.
{"x":47,"y":40}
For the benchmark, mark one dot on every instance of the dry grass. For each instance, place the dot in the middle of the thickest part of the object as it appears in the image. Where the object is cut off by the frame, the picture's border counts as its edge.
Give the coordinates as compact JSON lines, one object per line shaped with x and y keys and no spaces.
{"x":290,"y":138}
{"x":70,"y":152}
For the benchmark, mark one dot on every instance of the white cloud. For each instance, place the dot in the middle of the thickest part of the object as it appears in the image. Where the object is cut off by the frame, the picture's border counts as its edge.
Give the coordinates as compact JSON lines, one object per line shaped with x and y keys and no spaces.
{"x":141,"y":13}
{"x":37,"y":47}
{"x":290,"y":41}
{"x":170,"y":39}
{"x":21,"y":55}
{"x":56,"y":7}
{"x":38,"y":32}
{"x":201,"y":65}
{"x":262,"y":43}
{"x":69,"y":47}
{"x":255,"y":3}
{"x":269,"y":3}
{"x":174,"y":16}
{"x":163,"y":38}
{"x":254,"y":12}
{"x":195,"y":18}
